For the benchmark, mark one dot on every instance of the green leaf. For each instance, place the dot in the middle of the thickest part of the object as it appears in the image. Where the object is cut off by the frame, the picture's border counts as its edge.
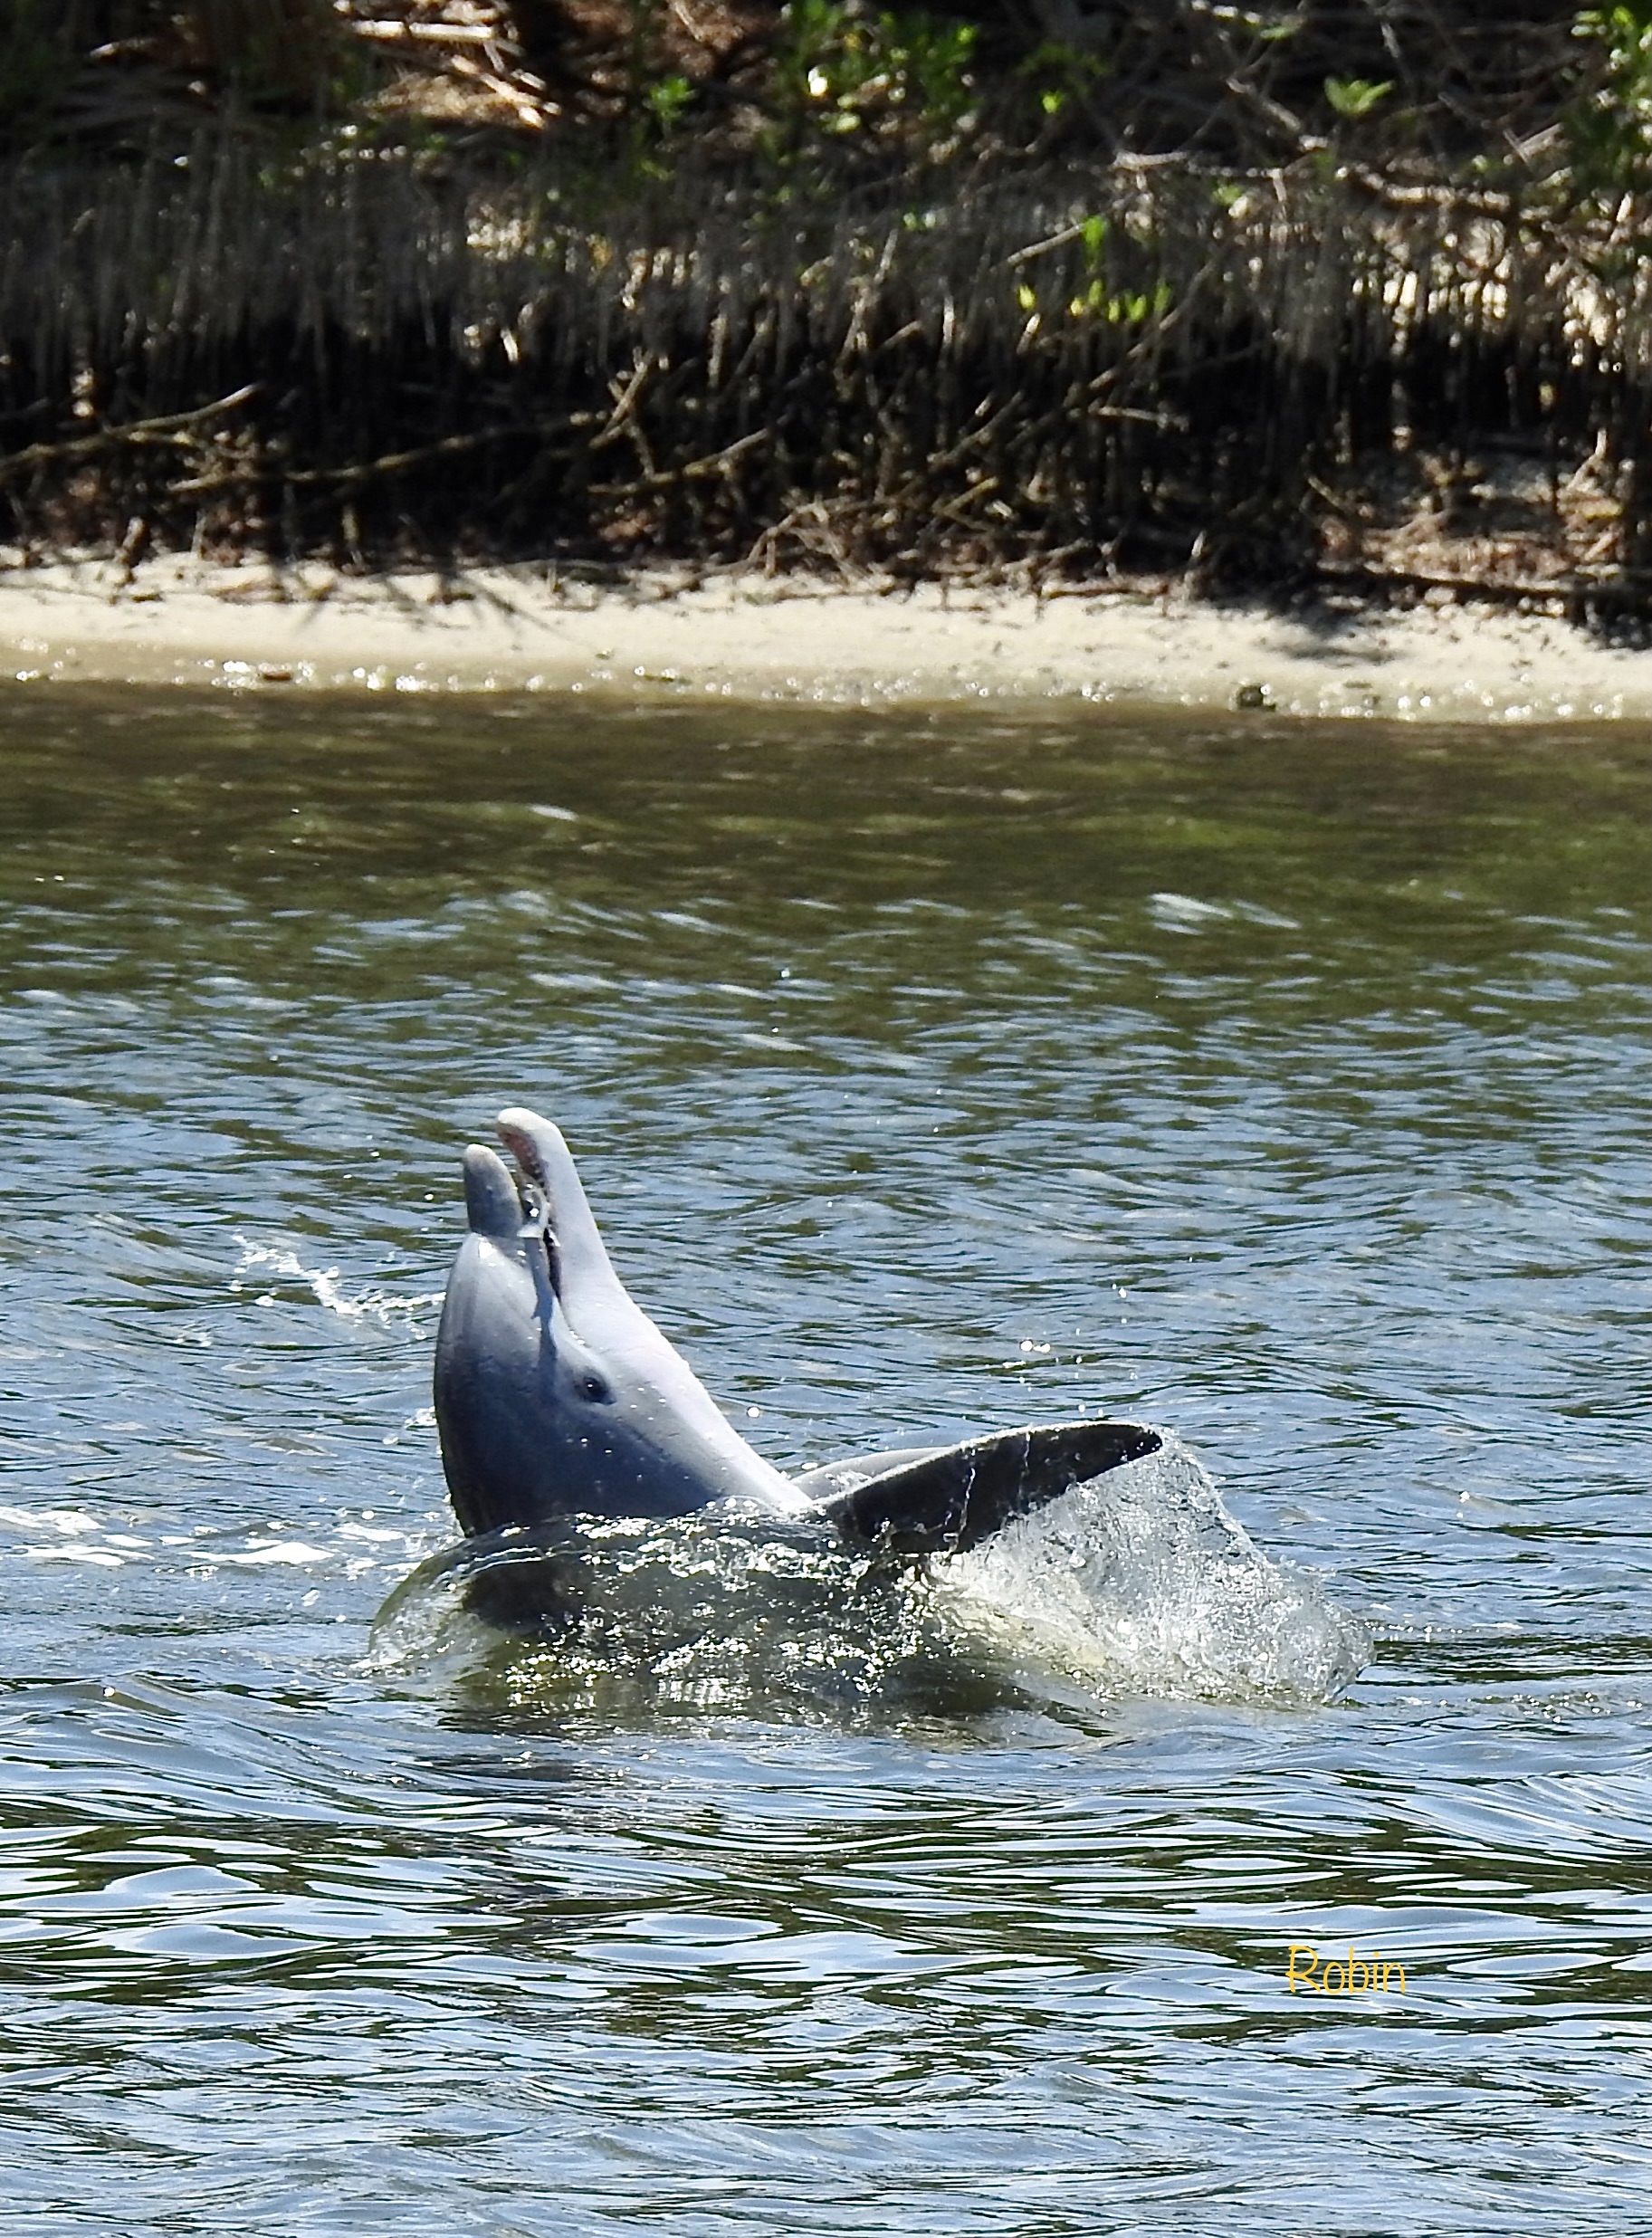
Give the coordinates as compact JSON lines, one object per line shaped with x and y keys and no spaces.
{"x":1356,"y":97}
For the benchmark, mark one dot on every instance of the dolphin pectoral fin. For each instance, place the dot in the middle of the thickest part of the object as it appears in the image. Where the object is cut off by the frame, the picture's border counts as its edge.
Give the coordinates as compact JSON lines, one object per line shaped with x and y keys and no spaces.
{"x":531,"y":1584}
{"x":947,"y":1501}
{"x":535,"y":1596}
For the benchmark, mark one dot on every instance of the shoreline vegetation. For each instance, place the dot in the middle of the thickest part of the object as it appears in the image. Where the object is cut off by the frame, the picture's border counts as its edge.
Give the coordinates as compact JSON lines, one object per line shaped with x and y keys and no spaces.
{"x":1345,"y":302}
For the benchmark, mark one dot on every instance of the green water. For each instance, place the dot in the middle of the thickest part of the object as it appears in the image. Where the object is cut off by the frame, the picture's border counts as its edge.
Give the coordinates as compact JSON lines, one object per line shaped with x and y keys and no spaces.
{"x":1283,"y":1086}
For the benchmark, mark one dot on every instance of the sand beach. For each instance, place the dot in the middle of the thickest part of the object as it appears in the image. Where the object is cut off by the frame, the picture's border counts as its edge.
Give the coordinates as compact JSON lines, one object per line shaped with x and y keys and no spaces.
{"x":178,"y":621}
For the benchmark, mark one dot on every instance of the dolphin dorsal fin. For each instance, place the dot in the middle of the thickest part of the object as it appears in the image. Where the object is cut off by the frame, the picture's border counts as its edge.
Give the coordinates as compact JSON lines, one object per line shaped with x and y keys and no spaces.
{"x":583,"y":1268}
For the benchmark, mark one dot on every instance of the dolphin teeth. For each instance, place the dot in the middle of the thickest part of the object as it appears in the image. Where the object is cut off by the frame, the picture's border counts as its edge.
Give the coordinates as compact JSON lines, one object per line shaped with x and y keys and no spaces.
{"x":520,"y":1146}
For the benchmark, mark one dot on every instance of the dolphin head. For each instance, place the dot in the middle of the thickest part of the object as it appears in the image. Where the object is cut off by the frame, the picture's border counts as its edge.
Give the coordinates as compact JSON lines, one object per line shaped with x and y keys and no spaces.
{"x":555,"y":1392}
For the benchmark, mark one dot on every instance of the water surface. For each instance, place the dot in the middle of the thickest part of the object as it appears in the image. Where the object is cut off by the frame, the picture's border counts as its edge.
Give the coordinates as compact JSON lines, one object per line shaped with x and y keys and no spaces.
{"x":1281,"y":1084}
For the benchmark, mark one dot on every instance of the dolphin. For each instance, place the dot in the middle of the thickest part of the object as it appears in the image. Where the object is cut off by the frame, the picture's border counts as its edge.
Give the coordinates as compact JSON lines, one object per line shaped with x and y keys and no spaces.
{"x":557,"y":1398}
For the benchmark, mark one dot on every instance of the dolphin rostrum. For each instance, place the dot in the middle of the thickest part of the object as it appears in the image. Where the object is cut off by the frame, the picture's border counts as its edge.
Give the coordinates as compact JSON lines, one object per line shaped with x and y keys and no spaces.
{"x":556,"y":1396}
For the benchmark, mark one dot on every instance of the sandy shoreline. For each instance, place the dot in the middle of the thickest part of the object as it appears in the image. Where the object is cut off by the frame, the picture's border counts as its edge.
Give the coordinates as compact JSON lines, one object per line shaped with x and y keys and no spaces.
{"x":178,"y":621}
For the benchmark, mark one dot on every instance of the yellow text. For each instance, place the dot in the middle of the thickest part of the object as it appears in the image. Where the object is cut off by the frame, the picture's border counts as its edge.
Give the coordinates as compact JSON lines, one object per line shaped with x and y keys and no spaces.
{"x":1338,"y":1977}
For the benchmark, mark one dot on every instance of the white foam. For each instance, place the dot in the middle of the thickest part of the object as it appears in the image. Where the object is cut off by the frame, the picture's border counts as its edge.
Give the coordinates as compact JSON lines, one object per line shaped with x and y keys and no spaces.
{"x":293,"y":1551}
{"x":383,"y":1306}
{"x":109,"y":1543}
{"x":69,"y":1520}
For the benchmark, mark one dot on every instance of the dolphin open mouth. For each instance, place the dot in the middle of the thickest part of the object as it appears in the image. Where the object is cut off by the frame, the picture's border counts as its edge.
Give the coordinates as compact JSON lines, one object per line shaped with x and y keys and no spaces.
{"x":533,"y":1186}
{"x":520,"y":1143}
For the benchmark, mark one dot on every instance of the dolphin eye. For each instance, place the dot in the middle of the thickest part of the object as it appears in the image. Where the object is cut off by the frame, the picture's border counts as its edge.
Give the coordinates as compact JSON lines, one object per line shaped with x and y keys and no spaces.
{"x":593,"y":1387}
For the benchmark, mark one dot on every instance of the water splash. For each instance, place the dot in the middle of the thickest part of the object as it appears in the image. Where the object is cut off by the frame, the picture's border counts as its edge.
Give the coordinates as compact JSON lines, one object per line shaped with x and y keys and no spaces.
{"x":1139,"y":1583}
{"x":1142,"y":1582}
{"x":723,"y":1609}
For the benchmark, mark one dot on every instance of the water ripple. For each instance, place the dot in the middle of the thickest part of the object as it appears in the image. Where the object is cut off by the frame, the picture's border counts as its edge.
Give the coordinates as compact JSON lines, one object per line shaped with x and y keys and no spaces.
{"x":1282,"y":1085}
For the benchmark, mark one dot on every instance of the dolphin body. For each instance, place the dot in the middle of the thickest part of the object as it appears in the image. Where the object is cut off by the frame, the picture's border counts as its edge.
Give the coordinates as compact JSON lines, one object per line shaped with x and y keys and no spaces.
{"x":558,"y":1398}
